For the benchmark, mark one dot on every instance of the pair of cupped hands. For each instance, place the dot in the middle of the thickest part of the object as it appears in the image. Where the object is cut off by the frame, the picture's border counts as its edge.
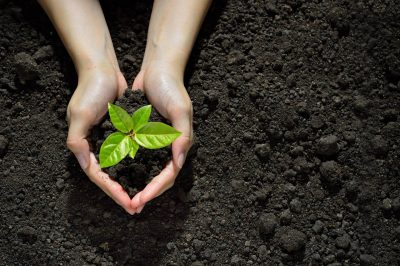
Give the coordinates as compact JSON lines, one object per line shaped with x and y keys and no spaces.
{"x":100,"y":85}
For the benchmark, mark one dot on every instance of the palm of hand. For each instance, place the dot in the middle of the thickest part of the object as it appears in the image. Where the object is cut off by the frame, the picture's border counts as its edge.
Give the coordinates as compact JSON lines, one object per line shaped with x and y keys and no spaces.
{"x":88,"y":106}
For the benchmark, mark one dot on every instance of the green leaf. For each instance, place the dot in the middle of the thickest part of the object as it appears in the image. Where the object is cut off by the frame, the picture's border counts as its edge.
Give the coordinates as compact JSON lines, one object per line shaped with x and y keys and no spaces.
{"x":120,"y":118}
{"x":114,"y":149}
{"x":140,"y":117}
{"x":154,"y":135}
{"x":134,"y":149}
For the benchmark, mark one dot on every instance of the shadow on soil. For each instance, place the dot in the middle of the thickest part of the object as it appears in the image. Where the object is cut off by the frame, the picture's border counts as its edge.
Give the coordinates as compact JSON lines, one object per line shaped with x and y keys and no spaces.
{"x":130,"y":240}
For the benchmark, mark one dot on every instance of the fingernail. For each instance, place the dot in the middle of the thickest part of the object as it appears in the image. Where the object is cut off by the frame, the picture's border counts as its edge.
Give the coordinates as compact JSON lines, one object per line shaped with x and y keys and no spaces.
{"x":181,"y":160}
{"x":82,"y":161}
{"x":139,"y":210}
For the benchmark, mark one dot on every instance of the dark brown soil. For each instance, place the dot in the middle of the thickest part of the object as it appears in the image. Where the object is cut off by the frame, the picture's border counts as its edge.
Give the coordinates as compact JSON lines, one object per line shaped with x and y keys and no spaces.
{"x":296,"y":161}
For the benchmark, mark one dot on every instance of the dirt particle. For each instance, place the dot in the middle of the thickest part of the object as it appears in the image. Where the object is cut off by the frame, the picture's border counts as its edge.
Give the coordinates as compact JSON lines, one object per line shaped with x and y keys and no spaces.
{"x":379,"y":146}
{"x":293,"y":240}
{"x":349,"y":136}
{"x":318,"y":227}
{"x":316,"y":122}
{"x":331,"y":173}
{"x":27,"y":234}
{"x":361,"y":105}
{"x":263,"y":151}
{"x":235,"y":260}
{"x":328,"y":146}
{"x":367,"y":260}
{"x":60,"y":184}
{"x":387,"y":204}
{"x":343,"y":242}
{"x":43,"y":53}
{"x":286,"y":217}
{"x":295,"y":205}
{"x":26,"y":67}
{"x":267,"y":224}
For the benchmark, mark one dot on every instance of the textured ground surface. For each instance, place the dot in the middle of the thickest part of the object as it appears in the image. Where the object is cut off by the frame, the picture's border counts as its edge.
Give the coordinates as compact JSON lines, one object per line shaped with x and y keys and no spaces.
{"x":296,"y":159}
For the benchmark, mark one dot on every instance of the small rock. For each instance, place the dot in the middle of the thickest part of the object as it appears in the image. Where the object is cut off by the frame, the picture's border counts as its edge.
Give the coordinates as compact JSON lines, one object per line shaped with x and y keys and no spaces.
{"x":3,"y":145}
{"x":329,"y":259}
{"x":286,"y":217}
{"x":27,"y":234}
{"x":235,"y":260}
{"x":361,"y":105}
{"x":367,"y":260}
{"x":330,"y":173}
{"x":379,"y":146}
{"x":248,"y":137}
{"x":263,"y":151}
{"x":316,"y":122}
{"x":26,"y":68}
{"x":349,"y":136}
{"x":297,"y":151}
{"x":60,"y":183}
{"x":197,"y":263}
{"x":267,"y":224}
{"x":262,"y":251}
{"x":387,"y":204}
{"x":237,"y":185}
{"x":198,"y":245}
{"x":301,"y":165}
{"x":328,"y":146}
{"x":293,"y":240}
{"x":43,"y":53}
{"x":343,"y":242}
{"x":352,"y":208}
{"x":236,"y":57}
{"x":130,"y":59}
{"x":318,"y":226}
{"x":201,"y":154}
{"x":295,"y":205}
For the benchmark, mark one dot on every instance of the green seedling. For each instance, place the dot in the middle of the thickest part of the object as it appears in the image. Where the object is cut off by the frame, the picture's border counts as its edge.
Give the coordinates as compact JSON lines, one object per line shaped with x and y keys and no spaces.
{"x":133,"y":131}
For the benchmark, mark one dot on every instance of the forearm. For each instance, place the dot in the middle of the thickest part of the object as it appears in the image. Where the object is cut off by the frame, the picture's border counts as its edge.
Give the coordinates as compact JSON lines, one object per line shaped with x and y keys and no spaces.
{"x":173,"y":29}
{"x":83,"y":30}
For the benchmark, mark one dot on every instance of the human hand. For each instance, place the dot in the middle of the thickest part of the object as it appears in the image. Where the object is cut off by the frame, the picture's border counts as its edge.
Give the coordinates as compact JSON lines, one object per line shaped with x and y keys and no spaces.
{"x":88,"y":105}
{"x":165,"y":91}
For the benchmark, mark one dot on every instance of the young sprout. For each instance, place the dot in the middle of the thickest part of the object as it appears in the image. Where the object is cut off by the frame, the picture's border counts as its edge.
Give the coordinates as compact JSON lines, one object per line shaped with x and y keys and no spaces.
{"x":133,"y":131}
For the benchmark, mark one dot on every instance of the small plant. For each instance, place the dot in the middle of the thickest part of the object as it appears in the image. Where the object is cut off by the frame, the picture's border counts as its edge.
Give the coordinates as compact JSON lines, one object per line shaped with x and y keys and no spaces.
{"x":134,"y":131}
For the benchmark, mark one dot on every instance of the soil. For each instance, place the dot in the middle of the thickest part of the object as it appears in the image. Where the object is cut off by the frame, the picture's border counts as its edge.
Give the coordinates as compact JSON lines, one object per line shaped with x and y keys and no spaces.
{"x":296,"y":157}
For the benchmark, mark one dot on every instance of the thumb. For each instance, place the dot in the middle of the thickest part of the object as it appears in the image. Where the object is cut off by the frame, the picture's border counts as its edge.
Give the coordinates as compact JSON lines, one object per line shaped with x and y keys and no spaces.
{"x":181,"y":146}
{"x":77,"y":142}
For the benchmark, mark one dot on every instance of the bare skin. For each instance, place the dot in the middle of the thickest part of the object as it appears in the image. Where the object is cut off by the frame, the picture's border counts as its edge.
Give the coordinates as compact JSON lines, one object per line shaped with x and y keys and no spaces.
{"x":173,"y":29}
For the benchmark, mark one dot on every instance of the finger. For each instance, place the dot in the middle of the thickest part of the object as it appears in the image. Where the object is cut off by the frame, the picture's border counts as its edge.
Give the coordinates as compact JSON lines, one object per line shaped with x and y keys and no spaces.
{"x":112,"y":188}
{"x":138,"y":82}
{"x":156,"y":187}
{"x":181,"y":146}
{"x":77,"y":142}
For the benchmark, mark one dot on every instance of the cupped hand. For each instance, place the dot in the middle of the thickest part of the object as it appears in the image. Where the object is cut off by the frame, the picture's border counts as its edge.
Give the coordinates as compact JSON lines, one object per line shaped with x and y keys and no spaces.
{"x":88,"y":105}
{"x":166,"y":92}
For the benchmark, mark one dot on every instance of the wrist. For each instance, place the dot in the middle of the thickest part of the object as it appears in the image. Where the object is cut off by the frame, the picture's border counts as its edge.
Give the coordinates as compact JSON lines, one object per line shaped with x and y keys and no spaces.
{"x":166,"y":54}
{"x":165,"y":64}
